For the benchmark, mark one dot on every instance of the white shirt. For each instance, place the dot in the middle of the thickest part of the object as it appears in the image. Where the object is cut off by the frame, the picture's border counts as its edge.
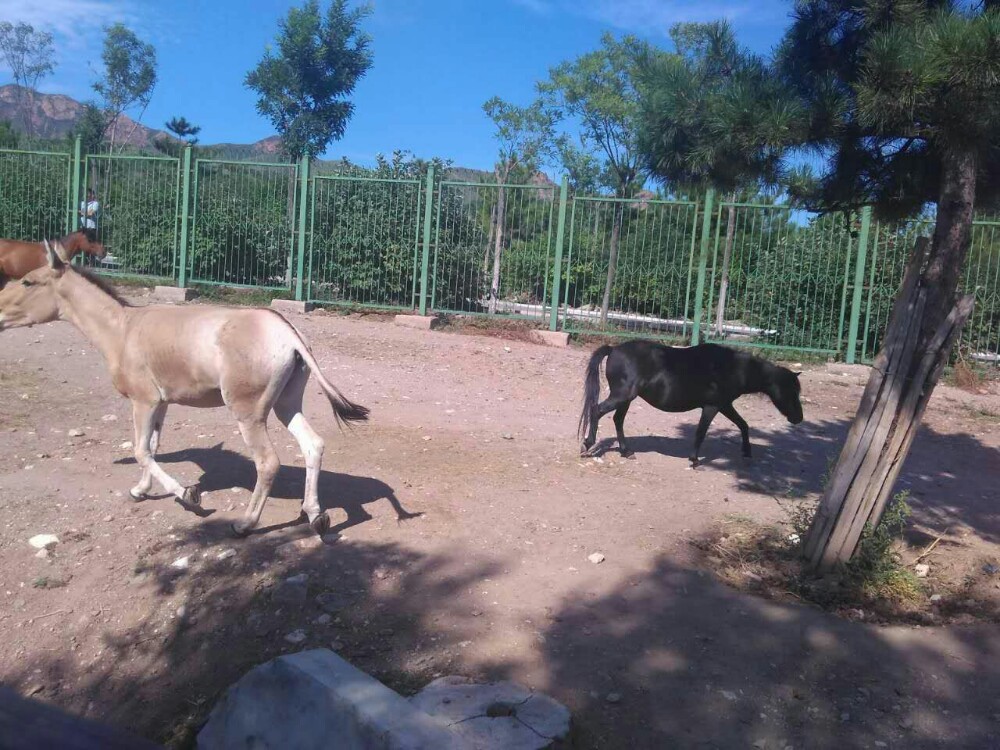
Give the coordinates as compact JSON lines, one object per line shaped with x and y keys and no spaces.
{"x":89,"y":211}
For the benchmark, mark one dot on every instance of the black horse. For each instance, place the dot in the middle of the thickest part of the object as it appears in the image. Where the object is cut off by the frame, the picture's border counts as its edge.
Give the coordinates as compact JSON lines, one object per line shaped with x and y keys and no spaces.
{"x":708,"y":376}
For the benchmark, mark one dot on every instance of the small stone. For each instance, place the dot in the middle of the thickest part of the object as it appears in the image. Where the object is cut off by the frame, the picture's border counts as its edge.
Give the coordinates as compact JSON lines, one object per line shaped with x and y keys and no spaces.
{"x":597,"y":558}
{"x":181,"y":563}
{"x":507,"y":436}
{"x":427,"y":437}
{"x":181,"y":612}
{"x":337,"y":646}
{"x":990,"y":569}
{"x":109,"y":418}
{"x":936,"y":598}
{"x":845,"y":716}
{"x":323,"y":619}
{"x":298,"y":579}
{"x":109,"y":519}
{"x":226,"y":554}
{"x":613,"y":698}
{"x":75,"y":432}
{"x":381,"y":573}
{"x":477,"y":613}
{"x":126,"y":446}
{"x":906,"y":723}
{"x":922,"y":570}
{"x":296,"y":637}
{"x":729,"y":695}
{"x":794,"y":538}
{"x":44,"y":541}
{"x":43,"y":554}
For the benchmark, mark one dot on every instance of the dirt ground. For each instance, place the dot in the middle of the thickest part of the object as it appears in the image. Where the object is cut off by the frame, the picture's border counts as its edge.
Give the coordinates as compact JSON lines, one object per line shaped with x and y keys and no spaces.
{"x":493,"y":579}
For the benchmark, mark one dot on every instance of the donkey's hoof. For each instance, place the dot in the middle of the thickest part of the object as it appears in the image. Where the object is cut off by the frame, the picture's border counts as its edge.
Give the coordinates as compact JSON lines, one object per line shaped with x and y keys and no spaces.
{"x":321,"y":523}
{"x":192,"y":495}
{"x":240,"y":531}
{"x":137,"y":497}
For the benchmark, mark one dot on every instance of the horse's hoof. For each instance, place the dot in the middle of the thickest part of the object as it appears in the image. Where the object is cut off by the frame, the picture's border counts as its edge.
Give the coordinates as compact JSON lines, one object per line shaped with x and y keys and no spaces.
{"x":695,"y":463}
{"x":627,"y":454}
{"x":192,"y":495}
{"x":137,"y":497}
{"x":240,"y":532}
{"x":321,"y":523}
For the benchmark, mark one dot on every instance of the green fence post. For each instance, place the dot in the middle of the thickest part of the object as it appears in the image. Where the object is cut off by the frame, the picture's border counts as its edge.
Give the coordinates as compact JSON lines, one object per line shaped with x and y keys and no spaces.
{"x":425,"y":262}
{"x":859,"y":277}
{"x":699,"y":293}
{"x":557,"y":267}
{"x":185,"y":208}
{"x":74,"y":185}
{"x":300,"y":265}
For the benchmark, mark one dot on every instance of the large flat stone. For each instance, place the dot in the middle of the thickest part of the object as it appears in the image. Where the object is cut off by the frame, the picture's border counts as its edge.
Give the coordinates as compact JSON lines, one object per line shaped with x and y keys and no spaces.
{"x":496,"y":715}
{"x":291,"y":306}
{"x":314,"y":700}
{"x":423,"y":322}
{"x":172,"y":293}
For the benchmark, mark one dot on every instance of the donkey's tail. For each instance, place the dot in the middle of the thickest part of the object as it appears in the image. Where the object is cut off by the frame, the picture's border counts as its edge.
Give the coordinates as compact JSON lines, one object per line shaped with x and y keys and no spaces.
{"x":592,"y":388}
{"x":344,"y":409}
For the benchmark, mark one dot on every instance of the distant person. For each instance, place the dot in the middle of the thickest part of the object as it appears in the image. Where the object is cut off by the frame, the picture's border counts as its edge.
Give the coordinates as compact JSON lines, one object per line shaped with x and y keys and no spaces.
{"x":89,"y":211}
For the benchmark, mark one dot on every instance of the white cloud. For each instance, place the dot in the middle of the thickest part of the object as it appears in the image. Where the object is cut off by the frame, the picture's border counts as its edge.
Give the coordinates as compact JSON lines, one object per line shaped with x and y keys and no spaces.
{"x":72,"y":22}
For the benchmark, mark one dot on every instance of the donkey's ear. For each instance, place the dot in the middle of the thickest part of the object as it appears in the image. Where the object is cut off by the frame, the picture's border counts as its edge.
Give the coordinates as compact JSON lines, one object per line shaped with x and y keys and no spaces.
{"x":54,"y":254}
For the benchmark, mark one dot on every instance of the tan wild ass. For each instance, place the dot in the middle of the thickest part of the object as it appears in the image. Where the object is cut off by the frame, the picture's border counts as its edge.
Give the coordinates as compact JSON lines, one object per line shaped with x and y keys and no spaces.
{"x":250,"y":360}
{"x":18,"y":259}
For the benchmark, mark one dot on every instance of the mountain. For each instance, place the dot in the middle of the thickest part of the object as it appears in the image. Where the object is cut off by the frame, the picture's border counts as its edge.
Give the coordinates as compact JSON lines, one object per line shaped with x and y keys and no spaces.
{"x":54,"y":115}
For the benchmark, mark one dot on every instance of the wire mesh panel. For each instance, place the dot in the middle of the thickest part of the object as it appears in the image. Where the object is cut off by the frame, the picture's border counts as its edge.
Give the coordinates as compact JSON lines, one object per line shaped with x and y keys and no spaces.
{"x":981,"y":335}
{"x":364,"y":246}
{"x":35,"y":192}
{"x":778,"y":279}
{"x":135,"y":208}
{"x":244,"y":214}
{"x":628,"y":266}
{"x":493,"y":248}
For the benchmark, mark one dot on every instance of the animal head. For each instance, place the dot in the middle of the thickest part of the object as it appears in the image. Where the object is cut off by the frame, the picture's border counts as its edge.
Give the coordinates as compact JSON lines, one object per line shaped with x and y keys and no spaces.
{"x":85,"y":240}
{"x":33,"y":299}
{"x":784,"y":392}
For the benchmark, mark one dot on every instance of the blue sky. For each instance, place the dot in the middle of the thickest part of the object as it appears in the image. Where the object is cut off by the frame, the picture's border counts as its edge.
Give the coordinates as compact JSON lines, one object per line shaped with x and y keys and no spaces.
{"x":436,"y":61}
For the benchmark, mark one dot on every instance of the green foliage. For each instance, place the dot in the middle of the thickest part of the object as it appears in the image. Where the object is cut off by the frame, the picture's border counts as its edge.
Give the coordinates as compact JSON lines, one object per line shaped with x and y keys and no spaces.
{"x":712,"y":114}
{"x":29,"y":55}
{"x":33,"y":190}
{"x":303,"y":88}
{"x":521,"y":133}
{"x":8,"y":136}
{"x":184,"y":134}
{"x":91,"y":127}
{"x":129,"y":74}
{"x":598,"y":91}
{"x":876,"y":570}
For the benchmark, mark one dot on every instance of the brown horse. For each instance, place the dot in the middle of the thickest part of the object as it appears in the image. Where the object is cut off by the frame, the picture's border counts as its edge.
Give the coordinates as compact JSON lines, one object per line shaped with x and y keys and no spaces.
{"x":17,"y":259}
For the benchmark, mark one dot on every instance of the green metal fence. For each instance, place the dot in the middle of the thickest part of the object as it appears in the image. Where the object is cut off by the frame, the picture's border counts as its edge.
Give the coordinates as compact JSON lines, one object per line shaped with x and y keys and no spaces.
{"x":628,"y":267}
{"x":364,"y":241}
{"x":492,"y":249}
{"x":777,"y":279}
{"x":243,"y":223}
{"x":740,"y":273}
{"x":137,"y":219}
{"x":35,"y":193}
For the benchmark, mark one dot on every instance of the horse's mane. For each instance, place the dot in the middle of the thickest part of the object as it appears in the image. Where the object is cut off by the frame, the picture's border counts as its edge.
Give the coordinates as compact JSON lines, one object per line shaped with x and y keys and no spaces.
{"x":103,"y":284}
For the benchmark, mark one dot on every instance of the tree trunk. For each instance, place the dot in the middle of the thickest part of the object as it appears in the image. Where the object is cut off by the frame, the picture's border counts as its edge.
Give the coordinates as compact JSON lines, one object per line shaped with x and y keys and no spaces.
{"x":498,"y":247}
{"x":489,"y":240}
{"x":924,"y":326}
{"x":727,"y":254}
{"x":616,"y":230}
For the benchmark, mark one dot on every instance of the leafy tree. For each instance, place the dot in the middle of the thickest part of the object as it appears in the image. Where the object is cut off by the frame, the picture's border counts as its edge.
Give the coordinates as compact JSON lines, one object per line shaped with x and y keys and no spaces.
{"x":91,"y":127}
{"x":8,"y":136}
{"x":598,"y":91}
{"x":303,"y":87}
{"x":29,"y":55}
{"x":184,"y":133}
{"x":711,"y":116}
{"x":129,"y":77}
{"x":522,"y":134}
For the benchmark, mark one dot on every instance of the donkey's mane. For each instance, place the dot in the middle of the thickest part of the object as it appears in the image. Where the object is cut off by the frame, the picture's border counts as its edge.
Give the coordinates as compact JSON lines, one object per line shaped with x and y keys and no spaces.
{"x":103,"y":284}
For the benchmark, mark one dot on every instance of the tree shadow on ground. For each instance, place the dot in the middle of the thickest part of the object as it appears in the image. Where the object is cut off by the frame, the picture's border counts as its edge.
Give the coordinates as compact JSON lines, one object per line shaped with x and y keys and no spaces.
{"x":672,"y":658}
{"x":393,"y":612}
{"x":952,"y":477}
{"x":223,"y":469}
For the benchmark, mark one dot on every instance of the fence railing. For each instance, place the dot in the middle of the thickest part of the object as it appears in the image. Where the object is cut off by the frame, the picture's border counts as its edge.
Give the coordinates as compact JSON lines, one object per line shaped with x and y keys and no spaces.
{"x":747,"y":274}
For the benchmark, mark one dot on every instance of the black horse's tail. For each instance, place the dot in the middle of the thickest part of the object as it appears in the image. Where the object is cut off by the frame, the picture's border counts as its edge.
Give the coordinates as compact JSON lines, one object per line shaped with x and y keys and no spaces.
{"x":592,"y":388}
